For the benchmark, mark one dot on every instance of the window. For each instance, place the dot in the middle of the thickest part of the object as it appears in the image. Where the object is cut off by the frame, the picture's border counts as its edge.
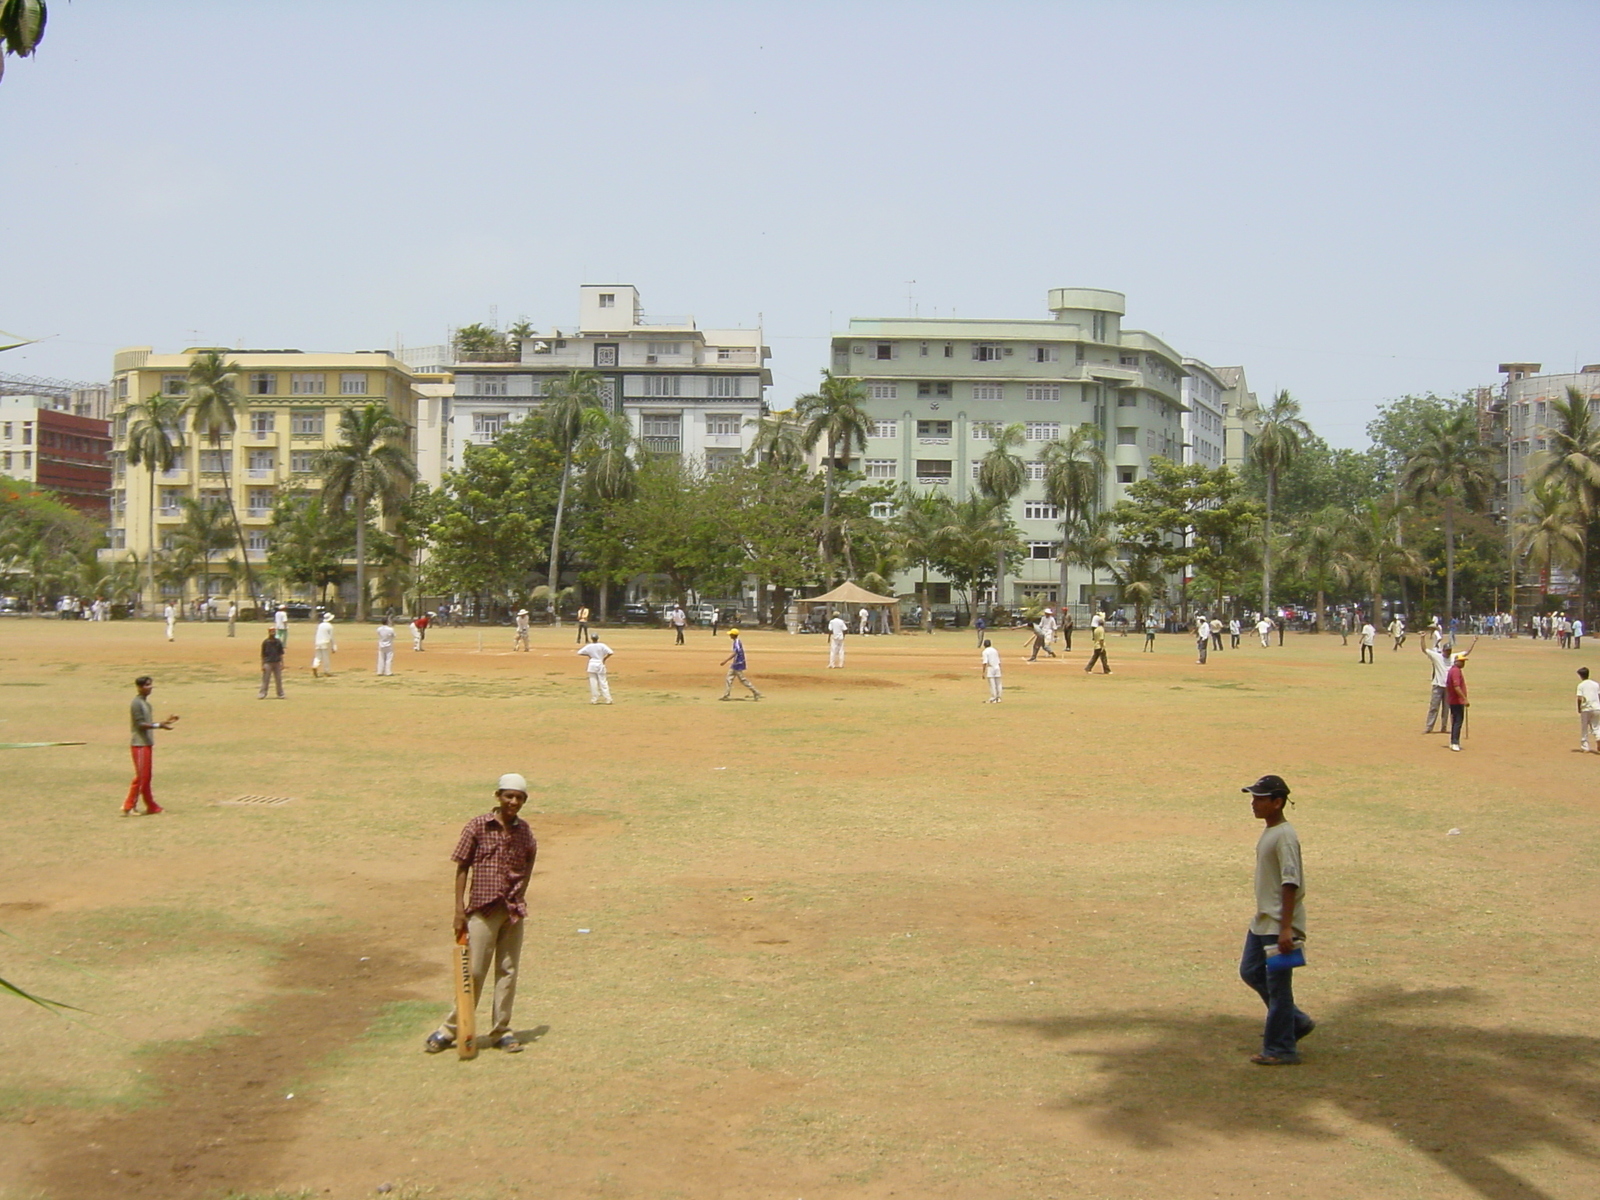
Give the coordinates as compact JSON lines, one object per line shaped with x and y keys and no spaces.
{"x":885,"y":350}
{"x":977,"y":466}
{"x":172,"y":385}
{"x":262,"y":461}
{"x":986,"y":351}
{"x":215,"y":461}
{"x":985,"y":431}
{"x":883,"y":391}
{"x":723,"y":387}
{"x":263,"y":383}
{"x":1036,"y":471}
{"x":926,"y":388}
{"x":722,"y":424}
{"x":171,"y":501}
{"x":721,"y":460}
{"x":27,"y":433}
{"x":988,"y":391}
{"x":933,"y":470}
{"x":353,"y":383}
{"x":257,"y":539}
{"x":662,"y":385}
{"x":933,"y":429}
{"x":302,"y":462}
{"x":882,"y":468}
{"x":882,"y":510}
{"x":1128,"y":360}
{"x":1046,"y":354}
{"x":1126,"y":474}
{"x":122,"y":388}
{"x":885,"y":429}
{"x":5,"y":461}
{"x":258,"y":502}
{"x":1035,"y":511}
{"x":1048,"y":393}
{"x":491,"y":387}
{"x":8,"y":431}
{"x":1127,"y":435}
{"x":1045,"y":550}
{"x":489,"y":424}
{"x":949,"y":349}
{"x":263,"y":424}
{"x":661,"y":348}
{"x":1127,"y":400}
{"x":1043,"y":431}
{"x":308,"y":385}
{"x":923,"y":352}
{"x":306,"y":424}
{"x":605,"y":354}
{"x":661,"y":424}
{"x":608,"y":300}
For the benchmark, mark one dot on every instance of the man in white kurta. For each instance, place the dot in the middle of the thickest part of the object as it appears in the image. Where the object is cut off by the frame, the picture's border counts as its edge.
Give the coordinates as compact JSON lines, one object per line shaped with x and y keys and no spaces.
{"x":836,"y":631}
{"x":386,"y":648}
{"x":862,"y":620}
{"x":172,"y":616}
{"x":322,"y":648}
{"x":280,"y":623}
{"x":599,"y":685}
{"x":990,"y":664}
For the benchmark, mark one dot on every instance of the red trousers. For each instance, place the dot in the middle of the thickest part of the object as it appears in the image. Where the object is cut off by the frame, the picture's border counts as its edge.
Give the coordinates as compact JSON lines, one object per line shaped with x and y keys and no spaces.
{"x":141,"y":780}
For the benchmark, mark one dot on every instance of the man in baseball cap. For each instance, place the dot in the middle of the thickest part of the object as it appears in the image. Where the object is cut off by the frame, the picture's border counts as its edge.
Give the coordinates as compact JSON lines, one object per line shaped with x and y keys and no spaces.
{"x":1279,"y":925}
{"x":735,"y":663}
{"x":497,"y":851}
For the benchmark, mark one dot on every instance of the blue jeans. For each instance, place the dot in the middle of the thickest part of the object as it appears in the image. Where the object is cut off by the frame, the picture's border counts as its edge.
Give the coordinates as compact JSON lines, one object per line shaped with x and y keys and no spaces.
{"x":1286,"y":1024}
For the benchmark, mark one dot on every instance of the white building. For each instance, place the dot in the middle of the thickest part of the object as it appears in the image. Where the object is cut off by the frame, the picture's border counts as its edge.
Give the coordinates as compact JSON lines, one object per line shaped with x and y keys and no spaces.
{"x":1204,"y":437}
{"x":1528,"y":399}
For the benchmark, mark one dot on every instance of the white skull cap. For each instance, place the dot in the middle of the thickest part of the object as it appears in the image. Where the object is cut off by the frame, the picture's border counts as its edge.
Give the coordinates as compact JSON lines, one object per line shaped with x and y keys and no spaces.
{"x":512,"y":783}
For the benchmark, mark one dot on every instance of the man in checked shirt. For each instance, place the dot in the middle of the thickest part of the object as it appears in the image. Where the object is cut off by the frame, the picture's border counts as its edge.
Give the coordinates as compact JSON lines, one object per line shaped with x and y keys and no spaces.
{"x":498,"y":850}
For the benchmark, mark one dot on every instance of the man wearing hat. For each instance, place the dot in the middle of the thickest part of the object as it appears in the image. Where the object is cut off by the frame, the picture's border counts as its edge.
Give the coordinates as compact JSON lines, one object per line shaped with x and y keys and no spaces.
{"x":386,"y":648}
{"x":520,"y":642}
{"x":1043,"y":633}
{"x":836,"y":631}
{"x":1455,"y":695}
{"x":280,"y":624}
{"x":497,"y":851}
{"x":599,"y":685}
{"x":322,"y":648}
{"x":736,"y":668}
{"x":1279,"y":926}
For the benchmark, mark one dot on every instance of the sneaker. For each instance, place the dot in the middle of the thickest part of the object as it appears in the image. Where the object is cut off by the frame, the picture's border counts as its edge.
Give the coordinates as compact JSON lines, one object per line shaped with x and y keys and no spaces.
{"x":1456,"y":748}
{"x":437,"y":1042}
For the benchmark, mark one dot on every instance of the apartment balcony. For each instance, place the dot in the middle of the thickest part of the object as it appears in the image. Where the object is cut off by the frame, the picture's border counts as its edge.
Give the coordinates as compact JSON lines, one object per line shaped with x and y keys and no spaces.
{"x":927,"y":479}
{"x":661,"y":444}
{"x":258,"y":513}
{"x":488,"y":356}
{"x":261,"y":473}
{"x":922,"y":441}
{"x":169,"y":511}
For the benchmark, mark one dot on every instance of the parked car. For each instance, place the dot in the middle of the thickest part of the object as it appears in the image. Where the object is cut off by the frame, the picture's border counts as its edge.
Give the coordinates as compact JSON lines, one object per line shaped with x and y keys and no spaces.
{"x":702,"y":614}
{"x":639,"y":612}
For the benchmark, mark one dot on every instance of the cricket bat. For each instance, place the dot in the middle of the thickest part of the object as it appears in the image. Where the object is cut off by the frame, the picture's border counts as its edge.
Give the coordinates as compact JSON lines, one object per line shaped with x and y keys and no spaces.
{"x":466,"y":1002}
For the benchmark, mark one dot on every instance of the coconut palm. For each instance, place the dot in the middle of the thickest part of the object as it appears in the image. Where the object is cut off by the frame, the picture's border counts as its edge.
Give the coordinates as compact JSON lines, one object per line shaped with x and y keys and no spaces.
{"x":1453,"y":467}
{"x":1092,"y":545}
{"x":571,"y":406}
{"x":918,"y":522}
{"x":1571,"y":462}
{"x":1140,"y":577}
{"x":1001,"y":476}
{"x":1074,"y":467}
{"x":1375,"y":553}
{"x":204,"y":532}
{"x":155,"y":439}
{"x":779,"y":440}
{"x":1275,"y":447}
{"x":833,"y":414}
{"x":611,"y":474}
{"x":977,"y":534}
{"x":370,"y":462}
{"x":215,"y":407}
{"x":1550,"y":530}
{"x":1316,"y":551}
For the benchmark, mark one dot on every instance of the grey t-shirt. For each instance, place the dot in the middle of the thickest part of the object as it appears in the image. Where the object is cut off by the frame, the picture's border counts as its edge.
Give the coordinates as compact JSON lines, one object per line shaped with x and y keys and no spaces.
{"x":1278,"y":863}
{"x":142,"y":716}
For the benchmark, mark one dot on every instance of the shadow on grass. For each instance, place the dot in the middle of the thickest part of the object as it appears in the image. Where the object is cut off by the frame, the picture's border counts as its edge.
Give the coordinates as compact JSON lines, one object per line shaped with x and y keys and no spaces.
{"x":1462,"y":1095}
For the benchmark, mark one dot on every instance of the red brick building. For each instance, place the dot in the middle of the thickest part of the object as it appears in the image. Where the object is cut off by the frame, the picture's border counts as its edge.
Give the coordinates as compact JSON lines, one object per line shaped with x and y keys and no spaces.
{"x":57,"y":452}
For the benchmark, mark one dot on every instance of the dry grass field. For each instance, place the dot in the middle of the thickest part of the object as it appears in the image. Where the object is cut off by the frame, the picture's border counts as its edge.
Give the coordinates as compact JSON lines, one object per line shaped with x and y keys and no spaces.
{"x":866,"y":938}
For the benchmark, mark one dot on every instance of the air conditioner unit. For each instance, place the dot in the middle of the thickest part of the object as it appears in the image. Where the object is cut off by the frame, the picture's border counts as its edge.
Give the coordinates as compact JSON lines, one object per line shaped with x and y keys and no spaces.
{"x":1008,"y":351}
{"x":650,"y":358}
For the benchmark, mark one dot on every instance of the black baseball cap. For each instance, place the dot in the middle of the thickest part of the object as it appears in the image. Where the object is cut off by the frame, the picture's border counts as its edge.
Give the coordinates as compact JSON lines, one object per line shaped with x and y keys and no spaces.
{"x":1268,"y":785}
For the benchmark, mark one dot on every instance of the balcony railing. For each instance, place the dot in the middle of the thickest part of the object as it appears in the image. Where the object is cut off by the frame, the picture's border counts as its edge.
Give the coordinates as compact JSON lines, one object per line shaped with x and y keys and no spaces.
{"x":260,"y":473}
{"x":659,"y":444}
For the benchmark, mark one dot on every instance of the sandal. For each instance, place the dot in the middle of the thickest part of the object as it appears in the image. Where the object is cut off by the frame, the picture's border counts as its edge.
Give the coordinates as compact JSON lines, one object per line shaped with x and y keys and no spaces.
{"x":437,"y":1042}
{"x":508,"y":1042}
{"x":1272,"y":1060}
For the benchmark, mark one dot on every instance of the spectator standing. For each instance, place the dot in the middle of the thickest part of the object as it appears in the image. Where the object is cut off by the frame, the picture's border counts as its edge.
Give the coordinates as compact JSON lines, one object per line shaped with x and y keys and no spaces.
{"x":1279,"y":926}
{"x":271,"y":665}
{"x":1455,"y":688}
{"x":143,"y":745}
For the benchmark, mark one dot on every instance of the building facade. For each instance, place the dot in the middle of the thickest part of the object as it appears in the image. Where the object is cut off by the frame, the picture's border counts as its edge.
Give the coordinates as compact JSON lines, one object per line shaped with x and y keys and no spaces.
{"x":295,"y":400}
{"x":689,"y":392}
{"x":1525,"y":412}
{"x":1240,"y":417}
{"x":1204,"y":437}
{"x":56,"y":450}
{"x":940,"y":389}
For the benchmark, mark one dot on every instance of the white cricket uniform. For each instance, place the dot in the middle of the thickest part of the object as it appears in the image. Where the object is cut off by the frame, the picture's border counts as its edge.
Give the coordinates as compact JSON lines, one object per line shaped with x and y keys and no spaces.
{"x":599,"y":684}
{"x":322,"y":648}
{"x":1264,"y":628}
{"x":1589,"y":713}
{"x":861,"y":621}
{"x":171,"y":617}
{"x":991,"y":672}
{"x":522,"y":632}
{"x":836,"y":632}
{"x":386,"y":649}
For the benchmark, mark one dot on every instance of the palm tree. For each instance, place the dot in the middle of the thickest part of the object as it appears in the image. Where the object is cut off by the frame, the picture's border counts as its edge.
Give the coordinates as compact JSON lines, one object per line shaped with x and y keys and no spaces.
{"x":918,"y":524}
{"x":833,"y":414}
{"x":370,"y":462}
{"x":1317,"y":548}
{"x":612,"y":473}
{"x":1275,"y":447}
{"x":977,"y":534}
{"x":1001,"y":476}
{"x":204,"y":531}
{"x":1375,"y":553}
{"x":1550,"y":531}
{"x":215,"y":406}
{"x":1451,"y":466}
{"x":570,"y":405}
{"x":1571,"y":462}
{"x":1092,"y":544}
{"x":1074,"y":467}
{"x":1141,"y":577}
{"x":155,"y":438}
{"x":779,"y":441}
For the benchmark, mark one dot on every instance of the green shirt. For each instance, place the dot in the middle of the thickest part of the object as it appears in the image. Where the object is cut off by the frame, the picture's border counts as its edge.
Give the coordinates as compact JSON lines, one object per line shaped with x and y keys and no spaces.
{"x":142,"y":716}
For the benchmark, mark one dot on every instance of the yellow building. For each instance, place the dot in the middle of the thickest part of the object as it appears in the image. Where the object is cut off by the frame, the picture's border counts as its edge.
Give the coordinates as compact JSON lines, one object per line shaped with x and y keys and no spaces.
{"x":294,"y":400}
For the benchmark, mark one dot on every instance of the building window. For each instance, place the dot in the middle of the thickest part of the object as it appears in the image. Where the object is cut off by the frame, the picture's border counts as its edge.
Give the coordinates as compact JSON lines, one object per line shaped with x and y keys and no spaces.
{"x":489,"y":424}
{"x":722,"y":387}
{"x":949,"y":349}
{"x":263,"y":383}
{"x":923,"y":353}
{"x":986,"y":351}
{"x":215,"y":462}
{"x":933,"y":429}
{"x":263,"y":424}
{"x":1126,"y":474}
{"x":1043,"y":431}
{"x":257,"y":539}
{"x":882,"y":468}
{"x":1036,"y":511}
{"x":933,"y":470}
{"x":1127,"y":435}
{"x":491,"y":387}
{"x":303,"y":462}
{"x":660,"y":349}
{"x":1036,"y":471}
{"x":605,"y":354}
{"x":936,"y":390}
{"x":306,"y":424}
{"x":885,"y":350}
{"x":662,"y":385}
{"x":1046,"y":354}
{"x":307,"y":385}
{"x":171,"y":501}
{"x":661,"y":424}
{"x":353,"y":383}
{"x":988,"y":391}
{"x":883,"y":391}
{"x":262,"y":463}
{"x":885,"y":429}
{"x":1128,"y":360}
{"x":27,"y":433}
{"x":882,"y":510}
{"x":1127,"y":400}
{"x":985,"y":431}
{"x":172,"y":385}
{"x":1044,"y":550}
{"x":721,"y":460}
{"x":258,"y":502}
{"x":1045,"y":392}
{"x":977,"y":466}
{"x":608,"y":300}
{"x":722,"y":424}
{"x":5,"y":461}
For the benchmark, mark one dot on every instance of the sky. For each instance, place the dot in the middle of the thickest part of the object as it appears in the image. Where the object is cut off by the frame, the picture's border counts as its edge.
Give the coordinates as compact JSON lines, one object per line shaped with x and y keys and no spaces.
{"x":1353,"y":201}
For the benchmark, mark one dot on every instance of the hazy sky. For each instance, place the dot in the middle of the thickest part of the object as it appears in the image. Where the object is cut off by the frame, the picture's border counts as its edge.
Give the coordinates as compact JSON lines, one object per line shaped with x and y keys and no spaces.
{"x":1354,"y":201}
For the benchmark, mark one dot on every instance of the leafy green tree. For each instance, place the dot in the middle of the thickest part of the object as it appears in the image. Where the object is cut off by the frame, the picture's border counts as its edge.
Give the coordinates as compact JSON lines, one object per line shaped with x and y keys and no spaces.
{"x":216,"y":407}
{"x":22,"y":25}
{"x":977,"y":538}
{"x":1550,"y":530}
{"x":610,"y":475}
{"x":155,"y":438}
{"x":1280,"y":432}
{"x":1319,"y":477}
{"x":1140,"y":577}
{"x":309,"y":543}
{"x":1453,"y":467}
{"x":1399,"y":430}
{"x":370,"y":462}
{"x":572,"y":409}
{"x":1376,"y":554}
{"x":676,"y":530}
{"x":775,"y":512}
{"x":1001,"y":477}
{"x":1074,"y":468}
{"x":1092,"y":544}
{"x":1317,"y":552}
{"x":919,"y":521}
{"x":1571,"y":463}
{"x":833,"y":414}
{"x":478,"y":339}
{"x":204,"y":532}
{"x":41,"y":539}
{"x":779,"y":440}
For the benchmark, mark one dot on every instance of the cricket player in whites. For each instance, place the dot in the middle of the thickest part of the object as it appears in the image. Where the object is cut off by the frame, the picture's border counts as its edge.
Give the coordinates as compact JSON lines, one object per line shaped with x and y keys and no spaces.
{"x":323,"y":649}
{"x":494,"y":858}
{"x":836,"y":631}
{"x":386,"y":648}
{"x":520,"y":642}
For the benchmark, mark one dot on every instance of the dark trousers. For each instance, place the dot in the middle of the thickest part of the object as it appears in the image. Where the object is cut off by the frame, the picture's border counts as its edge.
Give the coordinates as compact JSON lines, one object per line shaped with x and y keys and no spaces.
{"x":1038,"y":645}
{"x":1458,"y":713}
{"x":1066,"y":638}
{"x":1099,"y":656}
{"x":1366,"y":654}
{"x":679,"y":629}
{"x":1286,"y":1024}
